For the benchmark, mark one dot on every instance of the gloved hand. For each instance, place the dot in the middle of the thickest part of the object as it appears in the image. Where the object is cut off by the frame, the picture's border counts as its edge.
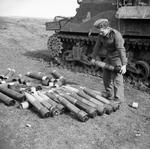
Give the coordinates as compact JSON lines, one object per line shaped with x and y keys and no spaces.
{"x":123,"y":69}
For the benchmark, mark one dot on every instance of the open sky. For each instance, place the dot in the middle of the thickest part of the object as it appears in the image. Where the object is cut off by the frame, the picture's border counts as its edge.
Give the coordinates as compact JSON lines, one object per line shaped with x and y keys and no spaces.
{"x":38,"y":8}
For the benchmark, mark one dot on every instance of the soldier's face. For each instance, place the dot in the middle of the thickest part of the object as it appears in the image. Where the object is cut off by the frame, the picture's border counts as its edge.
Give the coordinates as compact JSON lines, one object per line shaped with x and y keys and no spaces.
{"x":104,"y":31}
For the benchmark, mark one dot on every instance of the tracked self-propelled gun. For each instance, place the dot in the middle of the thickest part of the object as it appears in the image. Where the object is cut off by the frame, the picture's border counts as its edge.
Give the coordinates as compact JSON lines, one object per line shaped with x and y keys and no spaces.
{"x":74,"y":37}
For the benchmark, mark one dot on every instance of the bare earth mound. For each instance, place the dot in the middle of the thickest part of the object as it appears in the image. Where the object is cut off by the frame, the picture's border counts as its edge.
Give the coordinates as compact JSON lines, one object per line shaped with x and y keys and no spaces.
{"x":23,"y":47}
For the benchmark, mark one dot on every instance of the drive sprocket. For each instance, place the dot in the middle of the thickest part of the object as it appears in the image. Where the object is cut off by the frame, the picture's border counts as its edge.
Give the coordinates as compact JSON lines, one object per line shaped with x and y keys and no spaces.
{"x":54,"y":45}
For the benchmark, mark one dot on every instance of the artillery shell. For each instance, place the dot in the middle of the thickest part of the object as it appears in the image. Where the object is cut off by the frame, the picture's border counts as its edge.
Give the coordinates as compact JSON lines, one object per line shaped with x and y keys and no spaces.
{"x":7,"y":100}
{"x":24,"y":105}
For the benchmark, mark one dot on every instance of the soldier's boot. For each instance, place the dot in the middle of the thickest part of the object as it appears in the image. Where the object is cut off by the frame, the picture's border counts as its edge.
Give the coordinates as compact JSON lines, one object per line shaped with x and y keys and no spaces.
{"x":107,"y":95}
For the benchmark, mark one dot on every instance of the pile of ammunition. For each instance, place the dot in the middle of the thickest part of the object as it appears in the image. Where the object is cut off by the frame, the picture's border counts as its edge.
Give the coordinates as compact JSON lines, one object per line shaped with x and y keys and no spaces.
{"x":51,"y":95}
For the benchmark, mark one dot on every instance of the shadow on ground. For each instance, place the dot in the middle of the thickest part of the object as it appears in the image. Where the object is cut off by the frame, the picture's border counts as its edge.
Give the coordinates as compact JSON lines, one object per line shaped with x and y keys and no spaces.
{"x":40,"y":54}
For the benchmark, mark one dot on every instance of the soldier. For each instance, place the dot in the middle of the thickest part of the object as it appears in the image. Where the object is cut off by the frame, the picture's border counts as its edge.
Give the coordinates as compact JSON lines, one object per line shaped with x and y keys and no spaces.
{"x":111,"y":40}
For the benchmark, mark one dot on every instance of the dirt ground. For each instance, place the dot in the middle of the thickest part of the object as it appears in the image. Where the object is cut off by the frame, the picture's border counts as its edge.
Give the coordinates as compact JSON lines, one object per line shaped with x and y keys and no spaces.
{"x":23,"y":47}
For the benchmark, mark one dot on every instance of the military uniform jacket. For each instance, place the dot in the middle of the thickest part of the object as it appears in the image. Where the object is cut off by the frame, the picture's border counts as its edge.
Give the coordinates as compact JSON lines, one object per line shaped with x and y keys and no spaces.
{"x":113,"y":44}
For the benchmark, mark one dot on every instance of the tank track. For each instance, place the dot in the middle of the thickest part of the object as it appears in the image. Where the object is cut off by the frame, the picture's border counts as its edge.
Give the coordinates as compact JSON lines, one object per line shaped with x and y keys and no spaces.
{"x":65,"y":42}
